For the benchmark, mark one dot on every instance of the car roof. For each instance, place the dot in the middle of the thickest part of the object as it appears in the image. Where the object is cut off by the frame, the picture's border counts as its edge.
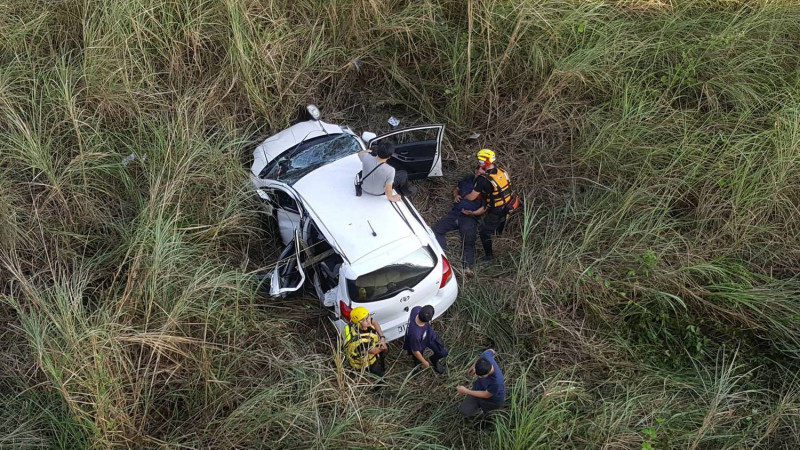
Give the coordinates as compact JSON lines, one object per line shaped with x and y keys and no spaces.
{"x":350,"y":220}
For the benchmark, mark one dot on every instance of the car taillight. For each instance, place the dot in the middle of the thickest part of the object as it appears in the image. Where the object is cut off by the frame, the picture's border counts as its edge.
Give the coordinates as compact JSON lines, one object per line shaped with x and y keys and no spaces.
{"x":447,"y":272}
{"x":344,"y":310}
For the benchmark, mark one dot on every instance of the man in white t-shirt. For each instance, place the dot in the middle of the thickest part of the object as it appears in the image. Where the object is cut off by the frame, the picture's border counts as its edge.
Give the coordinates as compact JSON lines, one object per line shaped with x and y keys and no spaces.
{"x":377,"y":176}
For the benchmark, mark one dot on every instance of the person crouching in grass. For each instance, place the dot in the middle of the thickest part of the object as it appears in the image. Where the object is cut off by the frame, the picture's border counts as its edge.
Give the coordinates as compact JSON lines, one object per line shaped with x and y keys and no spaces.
{"x":421,"y":335}
{"x":488,"y":390}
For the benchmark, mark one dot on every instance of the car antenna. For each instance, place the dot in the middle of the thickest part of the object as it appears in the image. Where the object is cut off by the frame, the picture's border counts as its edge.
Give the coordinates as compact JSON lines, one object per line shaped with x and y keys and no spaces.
{"x":373,"y":229}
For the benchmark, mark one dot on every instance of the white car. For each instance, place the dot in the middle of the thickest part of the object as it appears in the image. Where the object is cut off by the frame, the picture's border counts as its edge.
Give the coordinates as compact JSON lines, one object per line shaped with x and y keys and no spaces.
{"x":356,"y":251}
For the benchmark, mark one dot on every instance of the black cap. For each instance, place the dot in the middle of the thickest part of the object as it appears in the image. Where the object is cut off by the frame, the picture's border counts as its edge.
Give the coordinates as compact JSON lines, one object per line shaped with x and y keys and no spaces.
{"x":426,"y":313}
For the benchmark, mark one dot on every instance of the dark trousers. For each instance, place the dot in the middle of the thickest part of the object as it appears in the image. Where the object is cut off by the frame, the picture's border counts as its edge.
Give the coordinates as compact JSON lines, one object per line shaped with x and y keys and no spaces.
{"x":438,"y":349}
{"x":471,"y":405}
{"x":468,"y":229}
{"x":378,"y":368}
{"x":493,"y":223}
{"x":400,"y":183}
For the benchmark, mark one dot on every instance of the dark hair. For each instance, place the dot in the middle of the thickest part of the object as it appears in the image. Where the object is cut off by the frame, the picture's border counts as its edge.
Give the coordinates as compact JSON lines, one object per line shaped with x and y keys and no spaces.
{"x":426,"y":313}
{"x":482,"y":367}
{"x":384,"y":150}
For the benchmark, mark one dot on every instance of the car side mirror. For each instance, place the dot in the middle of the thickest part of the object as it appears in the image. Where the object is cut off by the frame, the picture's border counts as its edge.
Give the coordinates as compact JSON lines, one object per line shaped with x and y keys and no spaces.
{"x":367,"y":137}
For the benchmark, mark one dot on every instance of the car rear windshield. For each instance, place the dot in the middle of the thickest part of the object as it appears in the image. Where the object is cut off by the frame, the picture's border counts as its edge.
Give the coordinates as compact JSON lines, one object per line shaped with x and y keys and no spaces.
{"x":307,"y":156}
{"x":393,"y":279}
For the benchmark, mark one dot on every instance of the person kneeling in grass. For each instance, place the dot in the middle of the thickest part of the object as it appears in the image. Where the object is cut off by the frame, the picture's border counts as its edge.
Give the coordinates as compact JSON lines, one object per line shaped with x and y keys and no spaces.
{"x":488,"y":390}
{"x":421,"y":335}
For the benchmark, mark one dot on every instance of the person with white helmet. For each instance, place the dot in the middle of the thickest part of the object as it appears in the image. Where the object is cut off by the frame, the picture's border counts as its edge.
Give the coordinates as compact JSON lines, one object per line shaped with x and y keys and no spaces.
{"x":494,"y":185}
{"x":364,"y":342}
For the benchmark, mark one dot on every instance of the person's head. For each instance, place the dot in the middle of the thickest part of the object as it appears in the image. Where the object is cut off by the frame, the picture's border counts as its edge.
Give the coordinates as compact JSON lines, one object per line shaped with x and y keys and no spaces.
{"x":486,"y":158}
{"x":426,"y":314}
{"x":483,"y":368}
{"x":384,"y":150}
{"x":360,"y":316}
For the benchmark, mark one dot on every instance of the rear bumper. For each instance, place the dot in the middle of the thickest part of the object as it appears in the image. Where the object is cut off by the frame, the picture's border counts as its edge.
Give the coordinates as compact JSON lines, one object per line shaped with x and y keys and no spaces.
{"x":395,"y":328}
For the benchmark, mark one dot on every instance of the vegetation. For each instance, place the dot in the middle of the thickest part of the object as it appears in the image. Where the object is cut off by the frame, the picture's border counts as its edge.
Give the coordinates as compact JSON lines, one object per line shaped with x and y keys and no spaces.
{"x":647,"y":297}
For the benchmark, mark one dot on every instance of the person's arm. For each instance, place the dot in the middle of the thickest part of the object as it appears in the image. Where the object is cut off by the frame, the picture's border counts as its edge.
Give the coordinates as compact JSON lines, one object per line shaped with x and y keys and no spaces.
{"x":363,"y":155}
{"x":471,"y":370}
{"x":478,"y":212}
{"x":477,"y":394}
{"x":472,"y":196}
{"x":456,"y":195}
{"x":391,"y":196}
{"x":417,"y":354}
{"x":381,"y":337}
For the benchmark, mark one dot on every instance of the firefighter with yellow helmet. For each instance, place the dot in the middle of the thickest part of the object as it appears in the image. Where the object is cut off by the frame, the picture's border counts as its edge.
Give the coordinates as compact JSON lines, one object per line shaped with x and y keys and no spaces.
{"x":364,"y":342}
{"x":494,"y":184}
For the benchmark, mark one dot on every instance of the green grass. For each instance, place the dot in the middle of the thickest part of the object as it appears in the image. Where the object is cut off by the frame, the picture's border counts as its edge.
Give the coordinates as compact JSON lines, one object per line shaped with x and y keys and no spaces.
{"x":646,"y":297}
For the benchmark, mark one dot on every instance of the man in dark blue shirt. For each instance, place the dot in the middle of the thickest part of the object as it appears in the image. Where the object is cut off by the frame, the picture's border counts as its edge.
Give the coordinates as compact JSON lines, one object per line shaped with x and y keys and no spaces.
{"x":465,"y":201}
{"x":489,"y":389}
{"x":420,"y":335}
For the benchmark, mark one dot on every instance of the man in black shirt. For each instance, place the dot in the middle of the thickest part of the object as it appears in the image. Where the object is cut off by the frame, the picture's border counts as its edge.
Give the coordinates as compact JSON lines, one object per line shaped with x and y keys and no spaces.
{"x":494,"y":184}
{"x":465,"y":198}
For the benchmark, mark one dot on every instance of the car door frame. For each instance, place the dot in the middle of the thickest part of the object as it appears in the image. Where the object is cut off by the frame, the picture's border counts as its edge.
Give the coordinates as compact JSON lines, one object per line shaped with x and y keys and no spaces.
{"x":287,"y":220}
{"x":435,"y":170}
{"x":297,"y":221}
{"x":275,"y":289}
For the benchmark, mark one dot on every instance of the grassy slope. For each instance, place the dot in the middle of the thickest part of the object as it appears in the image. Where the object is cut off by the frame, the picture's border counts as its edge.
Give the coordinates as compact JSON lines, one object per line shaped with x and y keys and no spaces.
{"x":646,"y":297}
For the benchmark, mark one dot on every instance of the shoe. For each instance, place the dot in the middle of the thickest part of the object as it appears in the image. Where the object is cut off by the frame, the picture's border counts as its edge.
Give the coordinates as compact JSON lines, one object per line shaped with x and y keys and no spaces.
{"x":438,"y":368}
{"x":487,"y":259}
{"x":468,"y":272}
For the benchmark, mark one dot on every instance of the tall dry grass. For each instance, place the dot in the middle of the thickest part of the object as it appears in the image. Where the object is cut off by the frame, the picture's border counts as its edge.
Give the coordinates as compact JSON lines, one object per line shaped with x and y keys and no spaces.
{"x":646,"y":297}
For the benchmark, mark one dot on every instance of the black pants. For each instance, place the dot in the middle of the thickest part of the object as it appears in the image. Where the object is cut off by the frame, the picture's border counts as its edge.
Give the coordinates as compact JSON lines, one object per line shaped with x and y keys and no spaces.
{"x":471,"y":405}
{"x":438,"y":349}
{"x":378,"y":368}
{"x":493,"y":223}
{"x":468,"y":229}
{"x":400,"y":183}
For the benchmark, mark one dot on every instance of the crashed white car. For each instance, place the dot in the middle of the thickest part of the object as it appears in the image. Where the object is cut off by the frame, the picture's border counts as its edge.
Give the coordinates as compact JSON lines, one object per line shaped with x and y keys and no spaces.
{"x":355,"y":251}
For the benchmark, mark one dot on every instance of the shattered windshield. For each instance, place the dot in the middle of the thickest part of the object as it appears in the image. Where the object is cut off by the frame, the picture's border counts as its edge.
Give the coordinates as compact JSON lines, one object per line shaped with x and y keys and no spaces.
{"x":307,"y":156}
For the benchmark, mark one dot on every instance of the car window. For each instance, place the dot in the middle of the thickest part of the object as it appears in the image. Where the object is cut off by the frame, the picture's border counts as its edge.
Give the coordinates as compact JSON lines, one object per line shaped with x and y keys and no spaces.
{"x":285,"y":201}
{"x":307,"y":156}
{"x":425,"y":134}
{"x":392,"y":279}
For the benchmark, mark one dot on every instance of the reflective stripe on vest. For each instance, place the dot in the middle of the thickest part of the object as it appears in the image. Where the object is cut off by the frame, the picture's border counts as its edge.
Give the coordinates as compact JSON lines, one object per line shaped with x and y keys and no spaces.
{"x":501,"y":184}
{"x":354,"y":343}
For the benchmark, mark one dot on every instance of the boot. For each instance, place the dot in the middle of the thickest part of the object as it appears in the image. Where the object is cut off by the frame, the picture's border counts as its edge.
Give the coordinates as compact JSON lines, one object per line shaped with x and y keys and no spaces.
{"x":437,"y":367}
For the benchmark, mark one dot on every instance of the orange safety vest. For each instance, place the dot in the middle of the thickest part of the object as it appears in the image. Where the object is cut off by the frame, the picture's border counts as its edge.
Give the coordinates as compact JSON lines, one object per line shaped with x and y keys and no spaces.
{"x":501,"y":194}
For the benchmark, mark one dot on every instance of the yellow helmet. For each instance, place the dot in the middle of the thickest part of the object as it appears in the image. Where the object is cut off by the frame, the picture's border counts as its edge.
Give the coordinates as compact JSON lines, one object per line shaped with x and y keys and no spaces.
{"x":486,"y":155}
{"x":358,"y":314}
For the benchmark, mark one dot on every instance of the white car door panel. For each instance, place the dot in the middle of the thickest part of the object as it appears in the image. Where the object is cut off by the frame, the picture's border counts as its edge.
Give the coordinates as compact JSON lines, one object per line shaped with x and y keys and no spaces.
{"x":286,"y":209}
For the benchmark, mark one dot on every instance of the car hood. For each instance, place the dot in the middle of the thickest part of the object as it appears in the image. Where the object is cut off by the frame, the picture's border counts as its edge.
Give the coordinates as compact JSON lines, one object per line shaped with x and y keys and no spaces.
{"x":288,"y":138}
{"x":358,"y":226}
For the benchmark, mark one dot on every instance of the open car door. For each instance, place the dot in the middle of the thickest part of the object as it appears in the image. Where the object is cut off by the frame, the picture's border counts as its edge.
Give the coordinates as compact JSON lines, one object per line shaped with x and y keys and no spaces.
{"x":417,"y":150}
{"x":285,"y":209}
{"x":288,"y":275}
